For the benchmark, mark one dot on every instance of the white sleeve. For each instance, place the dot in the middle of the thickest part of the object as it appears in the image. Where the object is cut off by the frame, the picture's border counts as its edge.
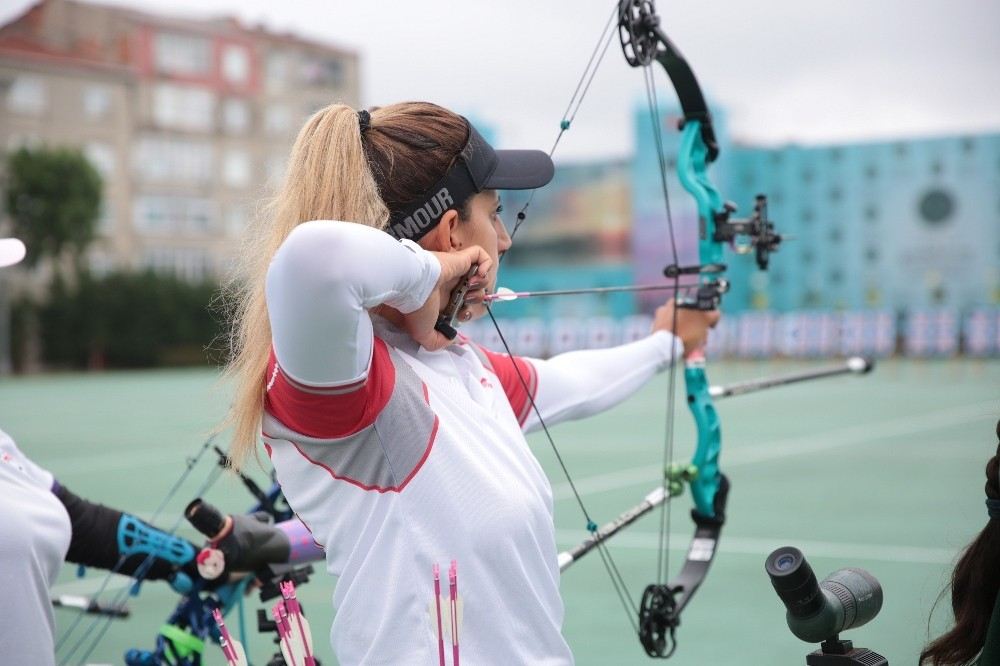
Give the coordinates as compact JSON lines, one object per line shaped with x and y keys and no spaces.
{"x":582,"y":383}
{"x":321,"y":282}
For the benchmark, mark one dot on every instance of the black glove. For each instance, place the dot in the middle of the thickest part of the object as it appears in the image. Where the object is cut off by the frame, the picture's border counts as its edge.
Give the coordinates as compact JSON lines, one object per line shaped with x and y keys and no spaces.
{"x":246,"y":542}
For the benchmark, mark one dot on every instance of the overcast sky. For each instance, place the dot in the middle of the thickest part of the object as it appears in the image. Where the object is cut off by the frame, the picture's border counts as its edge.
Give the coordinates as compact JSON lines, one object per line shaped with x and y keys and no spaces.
{"x":808,"y":71}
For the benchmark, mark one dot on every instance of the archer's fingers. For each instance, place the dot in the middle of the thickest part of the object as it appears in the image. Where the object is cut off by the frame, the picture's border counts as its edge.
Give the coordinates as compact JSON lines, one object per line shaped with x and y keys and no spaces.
{"x":481,"y":258}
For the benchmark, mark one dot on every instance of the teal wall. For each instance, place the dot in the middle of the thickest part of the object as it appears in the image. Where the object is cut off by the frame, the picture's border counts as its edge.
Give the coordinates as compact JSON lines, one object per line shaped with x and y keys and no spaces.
{"x":899,"y":225}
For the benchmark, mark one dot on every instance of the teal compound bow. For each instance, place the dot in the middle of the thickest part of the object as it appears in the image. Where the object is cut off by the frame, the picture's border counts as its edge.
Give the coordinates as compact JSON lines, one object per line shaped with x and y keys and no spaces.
{"x":658,"y":614}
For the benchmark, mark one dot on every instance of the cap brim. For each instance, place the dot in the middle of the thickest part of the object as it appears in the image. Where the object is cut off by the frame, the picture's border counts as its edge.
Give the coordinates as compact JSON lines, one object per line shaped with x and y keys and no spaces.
{"x":520,"y":170}
{"x":11,"y":251}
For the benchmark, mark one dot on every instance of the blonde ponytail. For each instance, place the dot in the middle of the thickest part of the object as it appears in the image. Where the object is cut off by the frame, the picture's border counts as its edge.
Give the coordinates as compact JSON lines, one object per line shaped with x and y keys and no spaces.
{"x":327,"y":178}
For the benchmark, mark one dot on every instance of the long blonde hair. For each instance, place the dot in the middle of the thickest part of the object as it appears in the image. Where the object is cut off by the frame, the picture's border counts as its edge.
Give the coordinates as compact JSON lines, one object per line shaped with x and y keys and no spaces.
{"x":337,"y":170}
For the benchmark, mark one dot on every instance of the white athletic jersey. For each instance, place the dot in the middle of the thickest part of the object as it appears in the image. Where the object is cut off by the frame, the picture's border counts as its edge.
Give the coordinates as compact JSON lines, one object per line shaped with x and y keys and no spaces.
{"x":34,"y":536}
{"x":398,"y":459}
{"x":441,"y":473}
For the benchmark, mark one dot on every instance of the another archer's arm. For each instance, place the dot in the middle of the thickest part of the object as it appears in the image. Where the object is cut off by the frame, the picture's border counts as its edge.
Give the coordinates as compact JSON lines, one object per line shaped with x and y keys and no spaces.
{"x":106,"y":538}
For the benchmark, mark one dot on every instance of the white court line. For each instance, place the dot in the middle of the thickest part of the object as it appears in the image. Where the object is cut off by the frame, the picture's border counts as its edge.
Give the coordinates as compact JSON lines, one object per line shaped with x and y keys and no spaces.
{"x":796,"y":446}
{"x":567,"y":538}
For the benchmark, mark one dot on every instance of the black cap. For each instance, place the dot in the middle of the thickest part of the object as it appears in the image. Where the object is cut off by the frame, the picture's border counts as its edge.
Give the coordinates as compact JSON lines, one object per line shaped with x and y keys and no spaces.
{"x":478,"y":167}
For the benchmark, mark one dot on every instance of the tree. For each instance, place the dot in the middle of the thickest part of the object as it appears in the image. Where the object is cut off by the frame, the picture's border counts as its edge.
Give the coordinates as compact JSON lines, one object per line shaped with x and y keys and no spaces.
{"x":53,"y":199}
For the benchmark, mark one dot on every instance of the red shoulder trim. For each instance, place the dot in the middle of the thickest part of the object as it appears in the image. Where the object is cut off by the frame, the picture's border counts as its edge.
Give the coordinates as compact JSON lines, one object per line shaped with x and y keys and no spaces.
{"x":514,"y":372}
{"x":330,"y":412}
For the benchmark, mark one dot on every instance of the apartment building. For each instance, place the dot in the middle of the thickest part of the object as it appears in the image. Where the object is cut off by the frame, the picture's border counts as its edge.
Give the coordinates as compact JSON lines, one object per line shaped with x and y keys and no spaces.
{"x":188,"y":121}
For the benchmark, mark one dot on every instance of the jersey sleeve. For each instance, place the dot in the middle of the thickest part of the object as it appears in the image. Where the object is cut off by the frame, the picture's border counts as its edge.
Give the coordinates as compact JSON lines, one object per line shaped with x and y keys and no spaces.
{"x":330,"y":412}
{"x":321,"y":284}
{"x":582,"y":383}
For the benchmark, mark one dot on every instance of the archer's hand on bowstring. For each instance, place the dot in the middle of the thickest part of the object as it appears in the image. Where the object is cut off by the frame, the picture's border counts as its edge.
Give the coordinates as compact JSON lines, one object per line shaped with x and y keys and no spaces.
{"x":691,"y":325}
{"x":455,"y":266}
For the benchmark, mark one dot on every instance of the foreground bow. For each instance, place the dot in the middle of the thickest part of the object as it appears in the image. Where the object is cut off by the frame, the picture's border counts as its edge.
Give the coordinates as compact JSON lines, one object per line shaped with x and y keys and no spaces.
{"x":643,"y":42}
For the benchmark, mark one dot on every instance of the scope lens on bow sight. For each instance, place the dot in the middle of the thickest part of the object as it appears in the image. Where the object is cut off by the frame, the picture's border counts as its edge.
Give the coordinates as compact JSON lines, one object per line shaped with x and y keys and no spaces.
{"x":794,"y":581}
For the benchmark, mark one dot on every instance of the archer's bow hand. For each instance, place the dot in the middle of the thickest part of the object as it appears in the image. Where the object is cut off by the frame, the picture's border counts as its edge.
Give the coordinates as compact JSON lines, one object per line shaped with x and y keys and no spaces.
{"x":244,"y":542}
{"x":690,"y":325}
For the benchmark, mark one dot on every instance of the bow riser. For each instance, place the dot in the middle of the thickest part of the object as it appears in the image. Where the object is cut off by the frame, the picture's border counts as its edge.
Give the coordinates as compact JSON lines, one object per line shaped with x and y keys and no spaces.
{"x":705,"y":484}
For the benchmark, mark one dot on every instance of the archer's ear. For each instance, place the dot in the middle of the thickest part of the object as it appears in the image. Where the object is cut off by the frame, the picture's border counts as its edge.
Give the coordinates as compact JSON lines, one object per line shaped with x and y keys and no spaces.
{"x":451,"y":223}
{"x":438,"y":239}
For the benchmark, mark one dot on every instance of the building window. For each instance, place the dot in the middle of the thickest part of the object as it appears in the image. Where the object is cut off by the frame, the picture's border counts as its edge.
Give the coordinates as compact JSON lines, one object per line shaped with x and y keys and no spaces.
{"x":27,"y":94}
{"x":102,"y":157}
{"x":871,"y":213}
{"x":236,"y":169}
{"x":235,"y":64}
{"x":168,"y":215}
{"x":96,"y":102}
{"x":278,"y":68}
{"x":871,"y":171}
{"x":807,"y":176}
{"x":320,"y":71}
{"x":183,"y":107}
{"x":173,"y":160}
{"x":236,"y":116}
{"x":175,"y":53}
{"x":278,"y":120}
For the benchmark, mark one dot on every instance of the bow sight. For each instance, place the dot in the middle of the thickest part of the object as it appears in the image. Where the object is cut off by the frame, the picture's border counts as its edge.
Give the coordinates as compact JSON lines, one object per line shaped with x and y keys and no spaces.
{"x":760,"y":238}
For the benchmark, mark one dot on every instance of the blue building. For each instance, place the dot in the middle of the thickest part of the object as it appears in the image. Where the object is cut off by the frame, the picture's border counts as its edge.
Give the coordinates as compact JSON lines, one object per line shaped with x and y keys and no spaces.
{"x":890,"y":225}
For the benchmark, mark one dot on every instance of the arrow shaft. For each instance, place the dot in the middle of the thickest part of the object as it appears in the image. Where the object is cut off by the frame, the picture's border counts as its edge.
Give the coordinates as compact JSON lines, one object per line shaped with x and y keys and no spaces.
{"x":589,"y":290}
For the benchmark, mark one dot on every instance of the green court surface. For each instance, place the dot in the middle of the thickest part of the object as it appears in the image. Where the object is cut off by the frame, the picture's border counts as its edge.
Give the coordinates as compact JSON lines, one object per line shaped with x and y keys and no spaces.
{"x":883,"y":472}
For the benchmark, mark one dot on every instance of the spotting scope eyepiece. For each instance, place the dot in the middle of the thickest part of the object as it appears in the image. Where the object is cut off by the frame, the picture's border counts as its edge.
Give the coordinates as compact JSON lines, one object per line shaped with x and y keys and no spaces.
{"x":817,"y":611}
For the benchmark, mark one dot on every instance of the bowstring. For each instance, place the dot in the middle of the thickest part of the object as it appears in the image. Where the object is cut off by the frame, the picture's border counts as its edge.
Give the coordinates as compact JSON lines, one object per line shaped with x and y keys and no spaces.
{"x":575,"y":101}
{"x":663,"y":552}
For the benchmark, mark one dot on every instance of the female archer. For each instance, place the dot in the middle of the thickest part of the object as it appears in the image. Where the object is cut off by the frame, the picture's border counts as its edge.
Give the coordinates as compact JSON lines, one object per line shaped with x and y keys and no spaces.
{"x":400,"y":448}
